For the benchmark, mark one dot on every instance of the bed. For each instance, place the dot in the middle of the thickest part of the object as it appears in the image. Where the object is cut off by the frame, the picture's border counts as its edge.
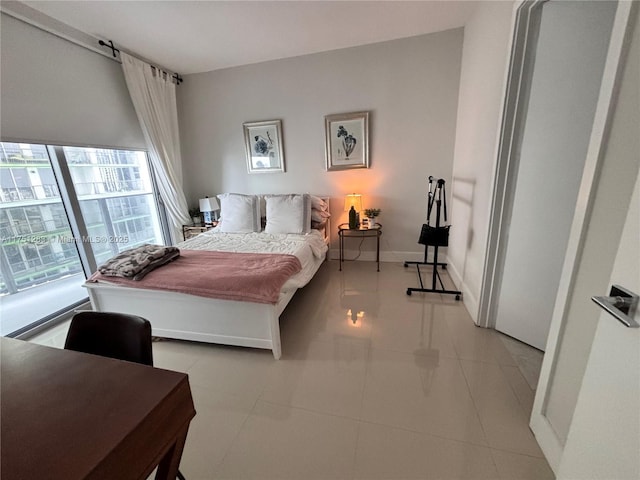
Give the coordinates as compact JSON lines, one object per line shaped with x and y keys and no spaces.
{"x":231,"y":322}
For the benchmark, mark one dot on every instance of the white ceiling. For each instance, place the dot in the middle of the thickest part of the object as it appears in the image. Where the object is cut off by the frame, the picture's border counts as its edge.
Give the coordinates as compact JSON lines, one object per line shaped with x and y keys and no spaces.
{"x":200,"y":36}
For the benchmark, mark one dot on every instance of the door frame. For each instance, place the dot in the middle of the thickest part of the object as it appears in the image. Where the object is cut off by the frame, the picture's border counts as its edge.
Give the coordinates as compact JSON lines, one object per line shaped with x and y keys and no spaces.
{"x":516,"y":101}
{"x":549,"y":442}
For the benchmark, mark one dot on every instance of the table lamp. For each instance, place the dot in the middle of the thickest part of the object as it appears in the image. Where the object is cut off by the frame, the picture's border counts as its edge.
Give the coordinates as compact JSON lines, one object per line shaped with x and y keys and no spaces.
{"x":353,"y":201}
{"x":208,"y":205}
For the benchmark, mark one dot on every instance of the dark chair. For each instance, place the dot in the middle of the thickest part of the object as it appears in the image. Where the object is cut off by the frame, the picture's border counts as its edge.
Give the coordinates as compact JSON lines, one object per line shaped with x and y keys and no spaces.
{"x":114,"y":335}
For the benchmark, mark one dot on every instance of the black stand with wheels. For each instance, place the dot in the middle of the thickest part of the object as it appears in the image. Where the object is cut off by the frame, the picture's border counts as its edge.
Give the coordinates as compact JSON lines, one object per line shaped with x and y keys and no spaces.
{"x":434,"y":237}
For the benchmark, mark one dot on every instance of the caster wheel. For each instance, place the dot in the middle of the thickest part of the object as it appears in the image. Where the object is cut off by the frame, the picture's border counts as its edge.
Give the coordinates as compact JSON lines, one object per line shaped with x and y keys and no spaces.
{"x":405,"y":265}
{"x":408,"y":292}
{"x":457,"y":297}
{"x":444,"y":267}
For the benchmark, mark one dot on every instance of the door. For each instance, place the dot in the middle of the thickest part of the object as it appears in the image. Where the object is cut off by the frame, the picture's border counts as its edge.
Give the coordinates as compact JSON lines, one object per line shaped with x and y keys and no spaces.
{"x":569,"y":61}
{"x":604,"y":438}
{"x":579,"y":376}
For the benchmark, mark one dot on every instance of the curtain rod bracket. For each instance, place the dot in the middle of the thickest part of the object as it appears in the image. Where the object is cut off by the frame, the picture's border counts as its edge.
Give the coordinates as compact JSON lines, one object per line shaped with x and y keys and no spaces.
{"x":109,"y":45}
{"x":175,"y":76}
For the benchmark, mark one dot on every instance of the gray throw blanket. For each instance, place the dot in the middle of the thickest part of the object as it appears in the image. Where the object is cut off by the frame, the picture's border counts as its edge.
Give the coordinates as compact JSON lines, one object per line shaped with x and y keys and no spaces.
{"x":135,"y":263}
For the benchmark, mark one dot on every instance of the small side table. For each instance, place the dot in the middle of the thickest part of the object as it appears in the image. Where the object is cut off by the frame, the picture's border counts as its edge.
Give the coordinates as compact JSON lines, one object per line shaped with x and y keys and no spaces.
{"x":189,"y":231}
{"x":345,"y":231}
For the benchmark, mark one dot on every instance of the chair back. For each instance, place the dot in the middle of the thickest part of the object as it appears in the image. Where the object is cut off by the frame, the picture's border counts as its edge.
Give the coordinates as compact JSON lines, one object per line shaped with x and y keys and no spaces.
{"x":115,"y":335}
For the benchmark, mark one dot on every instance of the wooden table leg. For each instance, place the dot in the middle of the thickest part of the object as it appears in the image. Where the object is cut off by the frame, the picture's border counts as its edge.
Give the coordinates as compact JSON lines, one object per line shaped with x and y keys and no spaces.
{"x":168,"y":466}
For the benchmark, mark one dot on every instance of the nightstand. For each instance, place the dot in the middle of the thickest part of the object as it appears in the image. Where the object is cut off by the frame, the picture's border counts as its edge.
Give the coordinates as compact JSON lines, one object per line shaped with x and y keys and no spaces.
{"x":189,"y":231}
{"x":345,"y":231}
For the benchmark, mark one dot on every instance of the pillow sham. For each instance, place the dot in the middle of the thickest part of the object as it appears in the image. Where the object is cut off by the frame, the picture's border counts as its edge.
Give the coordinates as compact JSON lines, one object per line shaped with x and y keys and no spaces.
{"x":319,"y":215}
{"x":318,"y":203}
{"x":239,"y":213}
{"x":288,"y":213}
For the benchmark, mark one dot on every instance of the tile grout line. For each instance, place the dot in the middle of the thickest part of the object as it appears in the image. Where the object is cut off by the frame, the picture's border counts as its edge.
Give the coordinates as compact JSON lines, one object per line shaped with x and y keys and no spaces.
{"x":475,"y":407}
{"x":235,"y":437}
{"x":513,"y":390}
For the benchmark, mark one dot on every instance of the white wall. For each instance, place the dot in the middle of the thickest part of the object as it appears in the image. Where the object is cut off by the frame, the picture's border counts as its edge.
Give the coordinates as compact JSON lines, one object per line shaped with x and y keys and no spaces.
{"x":410,"y":86}
{"x":54,"y":91}
{"x":482,"y":82}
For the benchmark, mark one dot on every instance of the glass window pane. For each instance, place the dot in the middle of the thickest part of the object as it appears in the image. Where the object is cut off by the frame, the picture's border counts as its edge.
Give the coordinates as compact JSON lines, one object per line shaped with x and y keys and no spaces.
{"x":99,"y":171}
{"x":115,"y":191}
{"x":41,"y":269}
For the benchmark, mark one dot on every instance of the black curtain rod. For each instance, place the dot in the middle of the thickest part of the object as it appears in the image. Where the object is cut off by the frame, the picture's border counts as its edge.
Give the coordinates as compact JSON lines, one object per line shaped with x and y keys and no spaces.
{"x":110,"y":45}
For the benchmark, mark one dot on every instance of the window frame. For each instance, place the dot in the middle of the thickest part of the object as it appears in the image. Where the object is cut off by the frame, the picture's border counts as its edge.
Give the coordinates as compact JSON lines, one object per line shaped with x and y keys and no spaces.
{"x":70,"y":202}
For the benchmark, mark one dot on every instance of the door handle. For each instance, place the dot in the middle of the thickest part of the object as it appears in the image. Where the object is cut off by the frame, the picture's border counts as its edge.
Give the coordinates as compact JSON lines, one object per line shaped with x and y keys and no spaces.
{"x":622,"y":304}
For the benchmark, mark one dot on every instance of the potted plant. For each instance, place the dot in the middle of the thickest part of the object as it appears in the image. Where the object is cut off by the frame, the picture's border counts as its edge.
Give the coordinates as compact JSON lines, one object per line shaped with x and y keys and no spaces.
{"x":194,"y":213}
{"x":371,"y":214}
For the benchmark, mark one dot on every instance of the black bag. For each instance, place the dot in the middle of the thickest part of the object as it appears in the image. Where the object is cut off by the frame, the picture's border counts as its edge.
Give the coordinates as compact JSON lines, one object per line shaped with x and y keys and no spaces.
{"x":434,"y":237}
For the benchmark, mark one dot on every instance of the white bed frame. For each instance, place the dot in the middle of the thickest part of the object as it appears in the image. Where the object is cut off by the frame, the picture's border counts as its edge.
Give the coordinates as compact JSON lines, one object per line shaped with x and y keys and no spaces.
{"x":189,"y":317}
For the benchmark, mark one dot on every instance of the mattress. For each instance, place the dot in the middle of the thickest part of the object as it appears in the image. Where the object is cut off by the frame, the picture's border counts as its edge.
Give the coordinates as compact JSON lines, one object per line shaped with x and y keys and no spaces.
{"x":310,"y":249}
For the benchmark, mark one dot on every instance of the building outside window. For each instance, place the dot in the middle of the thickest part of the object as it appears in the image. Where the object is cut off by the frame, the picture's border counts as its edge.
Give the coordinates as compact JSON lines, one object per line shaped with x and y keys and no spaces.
{"x":115,"y":191}
{"x":44,"y":263}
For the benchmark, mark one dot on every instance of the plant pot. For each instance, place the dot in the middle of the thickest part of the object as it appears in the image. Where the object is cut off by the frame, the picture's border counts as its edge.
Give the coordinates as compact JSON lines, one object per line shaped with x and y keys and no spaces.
{"x":372,"y":222}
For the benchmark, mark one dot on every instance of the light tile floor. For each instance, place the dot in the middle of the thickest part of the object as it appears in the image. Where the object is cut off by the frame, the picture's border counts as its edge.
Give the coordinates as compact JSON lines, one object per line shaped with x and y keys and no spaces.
{"x":412,"y":389}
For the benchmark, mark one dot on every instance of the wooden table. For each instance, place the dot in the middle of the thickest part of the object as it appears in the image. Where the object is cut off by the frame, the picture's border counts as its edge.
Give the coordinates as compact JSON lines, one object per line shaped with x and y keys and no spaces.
{"x":70,"y":415}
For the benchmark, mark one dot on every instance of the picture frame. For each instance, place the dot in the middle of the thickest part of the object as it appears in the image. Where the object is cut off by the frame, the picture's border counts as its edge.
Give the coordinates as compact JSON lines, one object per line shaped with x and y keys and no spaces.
{"x":347,"y":140}
{"x":263,"y":146}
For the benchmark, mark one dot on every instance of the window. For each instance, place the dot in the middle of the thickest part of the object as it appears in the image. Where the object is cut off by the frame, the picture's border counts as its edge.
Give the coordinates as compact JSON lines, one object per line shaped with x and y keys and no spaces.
{"x":116,"y":197}
{"x":46,"y":251}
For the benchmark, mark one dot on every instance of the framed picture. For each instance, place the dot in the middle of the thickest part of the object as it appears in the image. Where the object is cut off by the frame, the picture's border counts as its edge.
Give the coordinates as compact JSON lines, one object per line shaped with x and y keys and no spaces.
{"x":263,"y":143}
{"x":347,"y":140}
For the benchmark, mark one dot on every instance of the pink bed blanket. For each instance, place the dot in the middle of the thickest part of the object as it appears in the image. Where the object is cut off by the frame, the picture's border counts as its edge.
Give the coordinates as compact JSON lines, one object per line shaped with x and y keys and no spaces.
{"x":250,"y":277}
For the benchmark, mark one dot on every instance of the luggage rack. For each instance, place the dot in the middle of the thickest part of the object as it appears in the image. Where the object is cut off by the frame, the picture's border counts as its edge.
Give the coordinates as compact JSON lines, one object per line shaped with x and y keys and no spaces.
{"x":435,"y":237}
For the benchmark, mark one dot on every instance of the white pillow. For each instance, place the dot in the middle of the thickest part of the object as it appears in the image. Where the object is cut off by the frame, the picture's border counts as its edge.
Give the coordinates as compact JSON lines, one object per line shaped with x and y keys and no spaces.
{"x":239,"y":213}
{"x":288,"y":213}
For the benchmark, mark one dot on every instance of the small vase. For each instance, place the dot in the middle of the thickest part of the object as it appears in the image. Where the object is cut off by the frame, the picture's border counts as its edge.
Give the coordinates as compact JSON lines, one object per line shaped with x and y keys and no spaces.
{"x":372,"y":222}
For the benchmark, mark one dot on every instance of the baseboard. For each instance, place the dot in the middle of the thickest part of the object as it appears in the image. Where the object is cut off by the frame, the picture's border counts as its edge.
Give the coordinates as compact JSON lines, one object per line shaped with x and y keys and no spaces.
{"x":385,"y":256}
{"x":470,"y":301}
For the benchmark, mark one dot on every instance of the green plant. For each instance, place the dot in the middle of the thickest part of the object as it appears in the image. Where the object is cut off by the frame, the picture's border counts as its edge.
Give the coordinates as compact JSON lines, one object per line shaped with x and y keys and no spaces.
{"x":372,"y":212}
{"x":194,"y":212}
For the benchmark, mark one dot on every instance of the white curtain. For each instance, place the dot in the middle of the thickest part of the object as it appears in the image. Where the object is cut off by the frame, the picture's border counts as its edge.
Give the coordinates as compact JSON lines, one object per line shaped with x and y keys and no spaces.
{"x":154,"y":99}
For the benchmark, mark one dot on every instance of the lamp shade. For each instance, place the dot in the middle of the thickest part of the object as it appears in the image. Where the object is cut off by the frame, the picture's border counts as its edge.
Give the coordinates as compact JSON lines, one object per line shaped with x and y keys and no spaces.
{"x":354,"y":199}
{"x":209,"y":204}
